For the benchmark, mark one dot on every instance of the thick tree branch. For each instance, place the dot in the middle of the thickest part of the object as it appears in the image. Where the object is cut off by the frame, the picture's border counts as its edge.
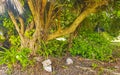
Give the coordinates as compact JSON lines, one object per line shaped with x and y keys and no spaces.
{"x":78,"y":20}
{"x":44,"y":2}
{"x":15,"y":24}
{"x":39,"y":19}
{"x":14,"y":21}
{"x":22,"y":25}
{"x":49,"y":15}
{"x":32,"y":7}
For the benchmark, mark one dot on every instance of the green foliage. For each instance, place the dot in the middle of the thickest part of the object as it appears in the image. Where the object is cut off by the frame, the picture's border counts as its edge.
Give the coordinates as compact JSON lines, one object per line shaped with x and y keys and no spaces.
{"x":14,"y":40}
{"x":8,"y":24}
{"x":12,"y":56}
{"x":22,"y":2}
{"x":29,"y":17}
{"x":93,"y":46}
{"x":94,"y":65}
{"x":53,"y":48}
{"x":67,"y":16}
{"x":103,"y":19}
{"x":2,"y":38}
{"x":23,"y":58}
{"x":29,"y":33}
{"x":115,"y":27}
{"x":109,"y":20}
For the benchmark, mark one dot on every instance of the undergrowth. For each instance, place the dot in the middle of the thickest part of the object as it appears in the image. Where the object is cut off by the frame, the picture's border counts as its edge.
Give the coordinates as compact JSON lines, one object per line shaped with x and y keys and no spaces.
{"x":93,"y":46}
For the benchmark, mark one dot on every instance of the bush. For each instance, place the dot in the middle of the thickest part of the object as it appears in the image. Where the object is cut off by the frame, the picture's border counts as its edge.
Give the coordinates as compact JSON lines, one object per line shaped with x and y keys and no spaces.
{"x":54,"y":48}
{"x":93,"y":46}
{"x":12,"y":56}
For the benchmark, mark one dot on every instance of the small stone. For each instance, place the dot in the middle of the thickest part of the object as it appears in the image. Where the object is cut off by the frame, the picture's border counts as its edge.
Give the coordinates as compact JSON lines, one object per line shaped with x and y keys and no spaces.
{"x":47,"y":65}
{"x":69,"y":61}
{"x":47,"y":62}
{"x":117,"y":67}
{"x":48,"y":68}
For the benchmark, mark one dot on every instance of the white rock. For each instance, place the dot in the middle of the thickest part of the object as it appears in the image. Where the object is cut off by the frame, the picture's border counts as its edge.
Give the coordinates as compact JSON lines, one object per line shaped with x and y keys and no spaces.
{"x":69,"y":61}
{"x":48,"y":68}
{"x":47,"y":62}
{"x":117,"y":67}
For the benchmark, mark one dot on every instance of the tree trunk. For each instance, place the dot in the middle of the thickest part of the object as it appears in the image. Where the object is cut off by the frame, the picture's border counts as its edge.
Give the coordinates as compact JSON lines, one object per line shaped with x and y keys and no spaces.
{"x":33,"y":45}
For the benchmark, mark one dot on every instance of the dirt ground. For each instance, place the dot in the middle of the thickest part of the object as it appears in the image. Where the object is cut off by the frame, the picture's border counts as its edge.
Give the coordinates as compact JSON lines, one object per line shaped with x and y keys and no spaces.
{"x":80,"y":66}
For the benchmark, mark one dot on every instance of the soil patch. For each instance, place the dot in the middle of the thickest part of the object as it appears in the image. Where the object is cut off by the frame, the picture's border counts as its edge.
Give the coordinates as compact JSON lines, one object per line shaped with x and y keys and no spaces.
{"x":80,"y":66}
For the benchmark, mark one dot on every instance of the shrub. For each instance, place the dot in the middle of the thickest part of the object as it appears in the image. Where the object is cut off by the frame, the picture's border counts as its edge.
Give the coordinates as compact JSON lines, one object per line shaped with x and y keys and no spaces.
{"x":12,"y":56}
{"x":54,"y":48}
{"x":93,"y":46}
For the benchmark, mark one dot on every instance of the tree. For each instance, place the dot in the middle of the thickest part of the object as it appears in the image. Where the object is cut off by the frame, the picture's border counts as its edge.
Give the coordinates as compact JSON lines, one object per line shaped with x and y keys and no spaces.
{"x":44,"y":12}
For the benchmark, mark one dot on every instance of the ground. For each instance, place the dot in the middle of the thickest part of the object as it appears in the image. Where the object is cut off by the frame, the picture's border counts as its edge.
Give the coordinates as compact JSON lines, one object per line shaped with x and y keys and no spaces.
{"x":81,"y":66}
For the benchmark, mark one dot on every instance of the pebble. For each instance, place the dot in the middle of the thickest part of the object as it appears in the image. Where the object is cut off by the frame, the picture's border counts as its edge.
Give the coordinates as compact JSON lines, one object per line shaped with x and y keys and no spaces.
{"x":47,"y":65}
{"x":117,"y":67}
{"x":48,"y":68}
{"x":47,"y":62}
{"x":69,"y":61}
